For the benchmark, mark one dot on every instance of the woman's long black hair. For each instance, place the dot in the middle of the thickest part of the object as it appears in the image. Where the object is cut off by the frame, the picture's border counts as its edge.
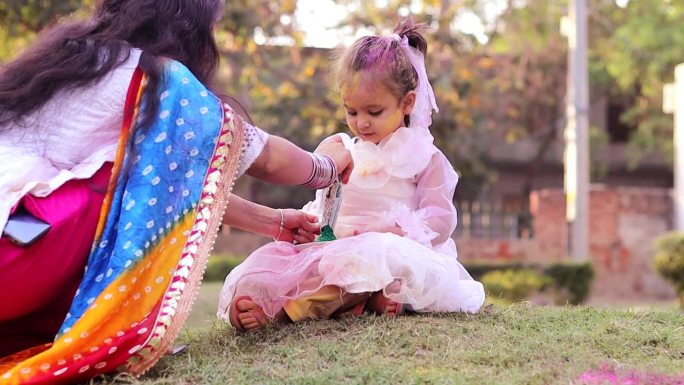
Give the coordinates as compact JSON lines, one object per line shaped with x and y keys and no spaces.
{"x":76,"y":54}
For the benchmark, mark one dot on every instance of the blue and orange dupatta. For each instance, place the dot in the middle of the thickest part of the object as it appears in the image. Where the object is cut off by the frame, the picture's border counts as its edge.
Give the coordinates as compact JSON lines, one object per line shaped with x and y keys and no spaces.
{"x":168,"y":192}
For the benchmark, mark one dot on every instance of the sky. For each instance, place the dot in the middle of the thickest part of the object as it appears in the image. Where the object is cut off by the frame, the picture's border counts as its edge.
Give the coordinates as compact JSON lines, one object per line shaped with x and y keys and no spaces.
{"x":319,"y":20}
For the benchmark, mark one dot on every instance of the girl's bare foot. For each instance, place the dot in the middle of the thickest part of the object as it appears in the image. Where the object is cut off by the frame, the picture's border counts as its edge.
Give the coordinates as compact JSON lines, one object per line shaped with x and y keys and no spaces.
{"x":379,"y":304}
{"x":246,"y":315}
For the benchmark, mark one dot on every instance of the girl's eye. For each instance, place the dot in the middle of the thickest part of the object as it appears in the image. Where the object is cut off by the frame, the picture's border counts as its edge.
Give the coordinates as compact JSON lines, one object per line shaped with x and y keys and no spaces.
{"x":375,"y":113}
{"x":352,"y":113}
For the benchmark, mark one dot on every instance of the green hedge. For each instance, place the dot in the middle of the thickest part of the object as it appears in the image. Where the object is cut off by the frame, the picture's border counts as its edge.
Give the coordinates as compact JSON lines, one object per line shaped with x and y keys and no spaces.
{"x":514,"y":285}
{"x":478,"y":269}
{"x":574,"y":277}
{"x":571,"y":280}
{"x":669,"y":261}
{"x":219,"y":266}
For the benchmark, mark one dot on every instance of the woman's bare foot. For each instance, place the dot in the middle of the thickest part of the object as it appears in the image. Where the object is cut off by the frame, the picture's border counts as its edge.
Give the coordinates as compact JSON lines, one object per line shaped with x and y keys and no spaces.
{"x":246,"y":315}
{"x":379,"y":304}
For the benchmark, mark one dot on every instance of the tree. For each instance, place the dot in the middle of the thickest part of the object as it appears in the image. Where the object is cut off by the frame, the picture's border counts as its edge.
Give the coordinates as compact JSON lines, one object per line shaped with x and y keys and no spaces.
{"x":21,"y":20}
{"x":284,"y":87}
{"x":634,"y":52}
{"x":528,"y":83}
{"x":510,"y":88}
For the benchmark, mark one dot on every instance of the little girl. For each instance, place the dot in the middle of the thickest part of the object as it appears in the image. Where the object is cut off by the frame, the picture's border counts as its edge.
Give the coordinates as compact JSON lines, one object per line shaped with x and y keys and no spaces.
{"x":394,"y":249}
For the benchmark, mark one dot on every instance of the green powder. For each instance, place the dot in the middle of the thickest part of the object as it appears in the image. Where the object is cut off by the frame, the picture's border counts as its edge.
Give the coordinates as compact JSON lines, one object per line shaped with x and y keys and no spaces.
{"x":326,"y":234}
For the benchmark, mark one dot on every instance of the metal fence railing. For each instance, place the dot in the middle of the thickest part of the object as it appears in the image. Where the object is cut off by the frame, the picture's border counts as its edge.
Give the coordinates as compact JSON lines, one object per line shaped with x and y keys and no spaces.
{"x":477,"y":220}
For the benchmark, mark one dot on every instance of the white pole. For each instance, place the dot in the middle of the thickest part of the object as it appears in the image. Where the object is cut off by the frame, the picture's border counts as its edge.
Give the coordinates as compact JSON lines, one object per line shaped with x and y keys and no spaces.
{"x":678,"y":140}
{"x":577,"y":132}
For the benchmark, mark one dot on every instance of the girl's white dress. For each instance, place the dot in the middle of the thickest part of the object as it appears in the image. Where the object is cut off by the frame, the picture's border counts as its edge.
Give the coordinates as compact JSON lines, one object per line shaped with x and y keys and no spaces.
{"x":403,"y":184}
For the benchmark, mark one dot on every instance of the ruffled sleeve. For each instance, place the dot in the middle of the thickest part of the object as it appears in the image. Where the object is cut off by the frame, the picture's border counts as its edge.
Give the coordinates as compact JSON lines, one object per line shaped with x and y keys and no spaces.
{"x":434,"y":194}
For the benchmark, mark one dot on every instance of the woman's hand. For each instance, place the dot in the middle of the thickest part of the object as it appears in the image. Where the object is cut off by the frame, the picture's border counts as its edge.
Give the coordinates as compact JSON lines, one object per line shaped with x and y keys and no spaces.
{"x":334,"y":148}
{"x":298,"y":226}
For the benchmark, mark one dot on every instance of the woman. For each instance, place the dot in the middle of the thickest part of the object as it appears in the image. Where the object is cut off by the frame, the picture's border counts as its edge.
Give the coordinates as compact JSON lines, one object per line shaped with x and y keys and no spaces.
{"x":109,"y":134}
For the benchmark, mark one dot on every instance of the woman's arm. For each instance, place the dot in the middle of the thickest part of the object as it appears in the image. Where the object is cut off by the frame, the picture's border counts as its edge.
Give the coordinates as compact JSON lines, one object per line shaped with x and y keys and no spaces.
{"x":283,"y":162}
{"x":249,"y":216}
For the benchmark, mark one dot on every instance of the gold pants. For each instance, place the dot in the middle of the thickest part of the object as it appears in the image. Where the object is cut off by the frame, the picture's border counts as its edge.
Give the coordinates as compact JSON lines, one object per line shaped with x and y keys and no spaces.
{"x":328,"y":302}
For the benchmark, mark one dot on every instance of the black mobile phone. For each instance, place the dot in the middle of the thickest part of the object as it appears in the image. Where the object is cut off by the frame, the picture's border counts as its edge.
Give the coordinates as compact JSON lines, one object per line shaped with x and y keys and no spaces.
{"x":23,"y":228}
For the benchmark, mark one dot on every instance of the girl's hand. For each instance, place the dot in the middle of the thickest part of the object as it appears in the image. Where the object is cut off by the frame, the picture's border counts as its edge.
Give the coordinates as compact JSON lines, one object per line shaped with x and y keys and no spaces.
{"x":298,"y":226}
{"x":334,"y":148}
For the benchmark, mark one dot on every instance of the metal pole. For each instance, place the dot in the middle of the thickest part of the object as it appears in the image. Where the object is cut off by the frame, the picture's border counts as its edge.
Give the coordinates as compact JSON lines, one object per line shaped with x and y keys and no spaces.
{"x":678,"y":140}
{"x":577,"y":132}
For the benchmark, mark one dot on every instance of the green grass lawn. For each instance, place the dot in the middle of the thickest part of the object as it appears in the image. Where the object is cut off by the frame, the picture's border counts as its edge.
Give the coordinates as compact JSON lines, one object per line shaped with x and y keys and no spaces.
{"x":204,"y":310}
{"x":519,"y":344}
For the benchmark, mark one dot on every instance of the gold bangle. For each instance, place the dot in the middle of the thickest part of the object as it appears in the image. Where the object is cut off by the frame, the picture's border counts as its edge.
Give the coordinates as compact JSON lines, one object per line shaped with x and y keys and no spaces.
{"x":282,"y":225}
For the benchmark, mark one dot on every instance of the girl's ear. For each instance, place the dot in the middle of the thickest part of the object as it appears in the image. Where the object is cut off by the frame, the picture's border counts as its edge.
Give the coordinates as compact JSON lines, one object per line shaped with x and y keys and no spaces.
{"x":408,"y":102}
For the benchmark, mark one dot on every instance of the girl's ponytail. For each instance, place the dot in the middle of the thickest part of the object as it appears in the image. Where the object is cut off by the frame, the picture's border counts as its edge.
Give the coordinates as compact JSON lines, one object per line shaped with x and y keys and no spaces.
{"x":412,"y":30}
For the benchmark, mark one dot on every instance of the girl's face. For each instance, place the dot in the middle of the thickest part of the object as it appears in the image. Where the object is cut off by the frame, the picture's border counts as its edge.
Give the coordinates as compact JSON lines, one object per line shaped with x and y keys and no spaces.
{"x":372,"y":111}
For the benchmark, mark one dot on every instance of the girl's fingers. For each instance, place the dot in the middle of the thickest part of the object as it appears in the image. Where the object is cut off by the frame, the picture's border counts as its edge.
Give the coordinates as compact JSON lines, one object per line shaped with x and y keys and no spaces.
{"x":344,"y":176}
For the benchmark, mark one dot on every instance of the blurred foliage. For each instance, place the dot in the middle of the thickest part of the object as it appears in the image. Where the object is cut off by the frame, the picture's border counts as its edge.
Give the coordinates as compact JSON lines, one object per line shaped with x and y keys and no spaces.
{"x":522,"y":85}
{"x":514,"y":285}
{"x":22,"y":16}
{"x":283,"y":86}
{"x":219,"y":266}
{"x":634,"y":52}
{"x":569,"y":282}
{"x":21,"y":20}
{"x":478,"y":269}
{"x":506,"y":89}
{"x":571,"y":279}
{"x":669,"y":261}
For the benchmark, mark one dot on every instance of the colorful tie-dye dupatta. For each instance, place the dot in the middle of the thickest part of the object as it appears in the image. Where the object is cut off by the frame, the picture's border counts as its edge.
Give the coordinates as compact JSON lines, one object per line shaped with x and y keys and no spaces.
{"x":167,"y":195}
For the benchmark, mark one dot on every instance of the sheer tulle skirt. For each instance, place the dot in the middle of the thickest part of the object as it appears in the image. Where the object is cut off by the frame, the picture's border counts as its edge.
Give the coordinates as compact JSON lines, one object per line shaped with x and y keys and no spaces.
{"x":406,"y":271}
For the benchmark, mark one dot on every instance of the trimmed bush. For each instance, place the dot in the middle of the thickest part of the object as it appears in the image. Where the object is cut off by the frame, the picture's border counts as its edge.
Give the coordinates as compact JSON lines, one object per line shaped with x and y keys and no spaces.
{"x":478,"y":269}
{"x":573,"y":277}
{"x":571,"y":280}
{"x":514,"y":285}
{"x":219,"y":266}
{"x":669,"y":261}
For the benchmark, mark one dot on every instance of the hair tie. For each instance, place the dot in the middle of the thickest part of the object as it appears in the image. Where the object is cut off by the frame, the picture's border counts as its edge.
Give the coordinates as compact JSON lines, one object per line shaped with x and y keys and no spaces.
{"x":421,"y":115}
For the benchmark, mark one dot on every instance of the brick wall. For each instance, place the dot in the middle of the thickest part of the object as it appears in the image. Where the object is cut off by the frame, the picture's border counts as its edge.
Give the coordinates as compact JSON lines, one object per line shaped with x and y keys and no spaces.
{"x":623,"y":223}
